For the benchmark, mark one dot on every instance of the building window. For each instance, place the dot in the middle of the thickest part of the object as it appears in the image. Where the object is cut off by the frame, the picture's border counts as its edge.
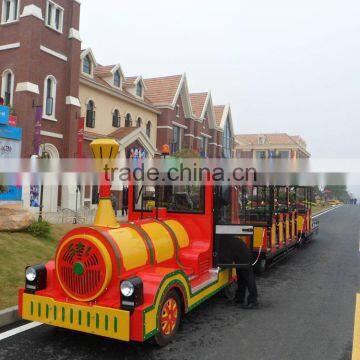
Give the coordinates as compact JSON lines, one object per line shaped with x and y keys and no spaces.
{"x":176,"y":146}
{"x":139,"y":89}
{"x":227,"y":141}
{"x":177,"y":110}
{"x":10,"y":11}
{"x":117,"y":79}
{"x":128,"y":121}
{"x":7,"y":87}
{"x":139,"y":122}
{"x":90,"y":114}
{"x":54,"y":16}
{"x":260,"y":154}
{"x":87,"y":68}
{"x":203,"y":146}
{"x":49,"y":96}
{"x":148,"y":129}
{"x":116,"y":118}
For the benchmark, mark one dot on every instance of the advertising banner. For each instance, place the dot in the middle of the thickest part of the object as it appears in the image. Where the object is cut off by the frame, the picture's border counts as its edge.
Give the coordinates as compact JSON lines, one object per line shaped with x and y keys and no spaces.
{"x":10,"y":148}
{"x":37,"y":133}
{"x":80,"y":137}
{"x":4,"y":115}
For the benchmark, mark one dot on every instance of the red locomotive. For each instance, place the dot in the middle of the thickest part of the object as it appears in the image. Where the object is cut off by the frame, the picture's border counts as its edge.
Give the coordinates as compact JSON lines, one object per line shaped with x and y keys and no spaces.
{"x":134,"y":281}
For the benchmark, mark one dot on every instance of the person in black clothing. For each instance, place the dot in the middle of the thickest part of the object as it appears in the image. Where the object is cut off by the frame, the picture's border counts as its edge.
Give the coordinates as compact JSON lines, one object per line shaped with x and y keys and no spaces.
{"x":235,"y":251}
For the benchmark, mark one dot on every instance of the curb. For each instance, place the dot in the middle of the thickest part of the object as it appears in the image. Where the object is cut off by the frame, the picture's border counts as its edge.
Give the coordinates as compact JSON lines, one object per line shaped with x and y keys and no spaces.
{"x":326,"y":210}
{"x":9,"y":316}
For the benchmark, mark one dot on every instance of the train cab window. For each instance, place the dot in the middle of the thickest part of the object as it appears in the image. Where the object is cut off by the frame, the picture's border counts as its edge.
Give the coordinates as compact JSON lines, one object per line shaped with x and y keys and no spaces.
{"x":144,"y":198}
{"x":177,"y":198}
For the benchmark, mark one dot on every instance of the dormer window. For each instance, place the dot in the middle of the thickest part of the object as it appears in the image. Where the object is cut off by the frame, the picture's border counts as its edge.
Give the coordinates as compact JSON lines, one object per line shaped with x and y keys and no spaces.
{"x":87,"y":67}
{"x":10,"y":11}
{"x":262,"y":140}
{"x":117,"y":79}
{"x":54,"y":16}
{"x":139,"y":89}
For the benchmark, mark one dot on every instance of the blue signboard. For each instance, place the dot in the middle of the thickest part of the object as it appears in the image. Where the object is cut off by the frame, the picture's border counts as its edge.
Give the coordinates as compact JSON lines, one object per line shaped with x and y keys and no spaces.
{"x":10,"y":132}
{"x":11,"y":193}
{"x":10,"y":147}
{"x":4,"y":115}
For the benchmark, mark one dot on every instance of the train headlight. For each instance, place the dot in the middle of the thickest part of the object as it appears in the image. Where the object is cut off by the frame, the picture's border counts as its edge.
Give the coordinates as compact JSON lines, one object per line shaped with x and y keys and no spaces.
{"x":132,"y":293}
{"x":30,"y":274}
{"x":127,"y":288}
{"x":35,"y":278}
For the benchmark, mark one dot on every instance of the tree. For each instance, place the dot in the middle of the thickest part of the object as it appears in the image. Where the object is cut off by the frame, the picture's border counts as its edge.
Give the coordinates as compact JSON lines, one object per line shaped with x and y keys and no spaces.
{"x":339,"y":192}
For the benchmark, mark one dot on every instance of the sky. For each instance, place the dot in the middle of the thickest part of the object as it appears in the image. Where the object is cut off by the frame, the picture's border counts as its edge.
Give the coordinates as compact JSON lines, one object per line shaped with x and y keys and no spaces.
{"x":284,"y":66}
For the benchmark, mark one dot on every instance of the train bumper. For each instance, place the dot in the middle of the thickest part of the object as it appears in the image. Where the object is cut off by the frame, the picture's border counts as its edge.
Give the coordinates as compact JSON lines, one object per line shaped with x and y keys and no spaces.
{"x":108,"y":322}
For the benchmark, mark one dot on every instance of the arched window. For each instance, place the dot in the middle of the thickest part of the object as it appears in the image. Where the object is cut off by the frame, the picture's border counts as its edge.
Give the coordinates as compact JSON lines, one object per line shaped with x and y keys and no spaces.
{"x":90,"y":114}
{"x":117,"y":79}
{"x":116,"y":118}
{"x":139,"y":89}
{"x":128,"y":121}
{"x":87,"y":65}
{"x":139,"y":122}
{"x":7,"y":87}
{"x":49,"y":96}
{"x":148,"y":129}
{"x":227,"y":141}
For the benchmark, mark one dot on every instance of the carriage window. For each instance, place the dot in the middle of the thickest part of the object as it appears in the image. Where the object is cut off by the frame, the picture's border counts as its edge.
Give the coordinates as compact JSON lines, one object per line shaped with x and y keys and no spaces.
{"x":281,"y":201}
{"x":227,"y":204}
{"x":255,"y":204}
{"x":181,"y":198}
{"x":302,"y":199}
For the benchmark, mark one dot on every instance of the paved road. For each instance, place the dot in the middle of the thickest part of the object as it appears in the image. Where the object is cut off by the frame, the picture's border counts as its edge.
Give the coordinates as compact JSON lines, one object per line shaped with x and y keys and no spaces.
{"x":307,"y":313}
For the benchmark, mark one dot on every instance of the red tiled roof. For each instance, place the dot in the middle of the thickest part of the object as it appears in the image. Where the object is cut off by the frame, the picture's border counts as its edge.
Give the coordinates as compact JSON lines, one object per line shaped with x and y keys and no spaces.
{"x":103,"y":70}
{"x":270,"y":139}
{"x":129,"y":81}
{"x":198,"y":103}
{"x":162,"y":90}
{"x":122,"y":132}
{"x":93,"y":135}
{"x":219,"y":112}
{"x":117,"y":134}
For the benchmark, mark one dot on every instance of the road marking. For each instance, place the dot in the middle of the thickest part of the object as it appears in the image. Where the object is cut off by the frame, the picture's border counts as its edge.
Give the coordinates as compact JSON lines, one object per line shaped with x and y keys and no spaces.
{"x":18,"y":330}
{"x":325,"y":212}
{"x":356,"y":339}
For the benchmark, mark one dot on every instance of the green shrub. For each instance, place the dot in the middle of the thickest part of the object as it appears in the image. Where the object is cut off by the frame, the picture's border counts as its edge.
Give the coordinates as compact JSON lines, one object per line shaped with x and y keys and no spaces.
{"x":40,"y":229}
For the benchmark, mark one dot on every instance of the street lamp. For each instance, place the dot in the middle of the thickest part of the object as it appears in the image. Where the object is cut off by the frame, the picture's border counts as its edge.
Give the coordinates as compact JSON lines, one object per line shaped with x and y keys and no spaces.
{"x":44,"y":155}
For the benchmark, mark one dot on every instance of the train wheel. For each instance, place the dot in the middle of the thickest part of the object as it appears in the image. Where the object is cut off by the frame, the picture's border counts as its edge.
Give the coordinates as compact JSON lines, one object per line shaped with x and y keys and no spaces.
{"x":169,"y":316}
